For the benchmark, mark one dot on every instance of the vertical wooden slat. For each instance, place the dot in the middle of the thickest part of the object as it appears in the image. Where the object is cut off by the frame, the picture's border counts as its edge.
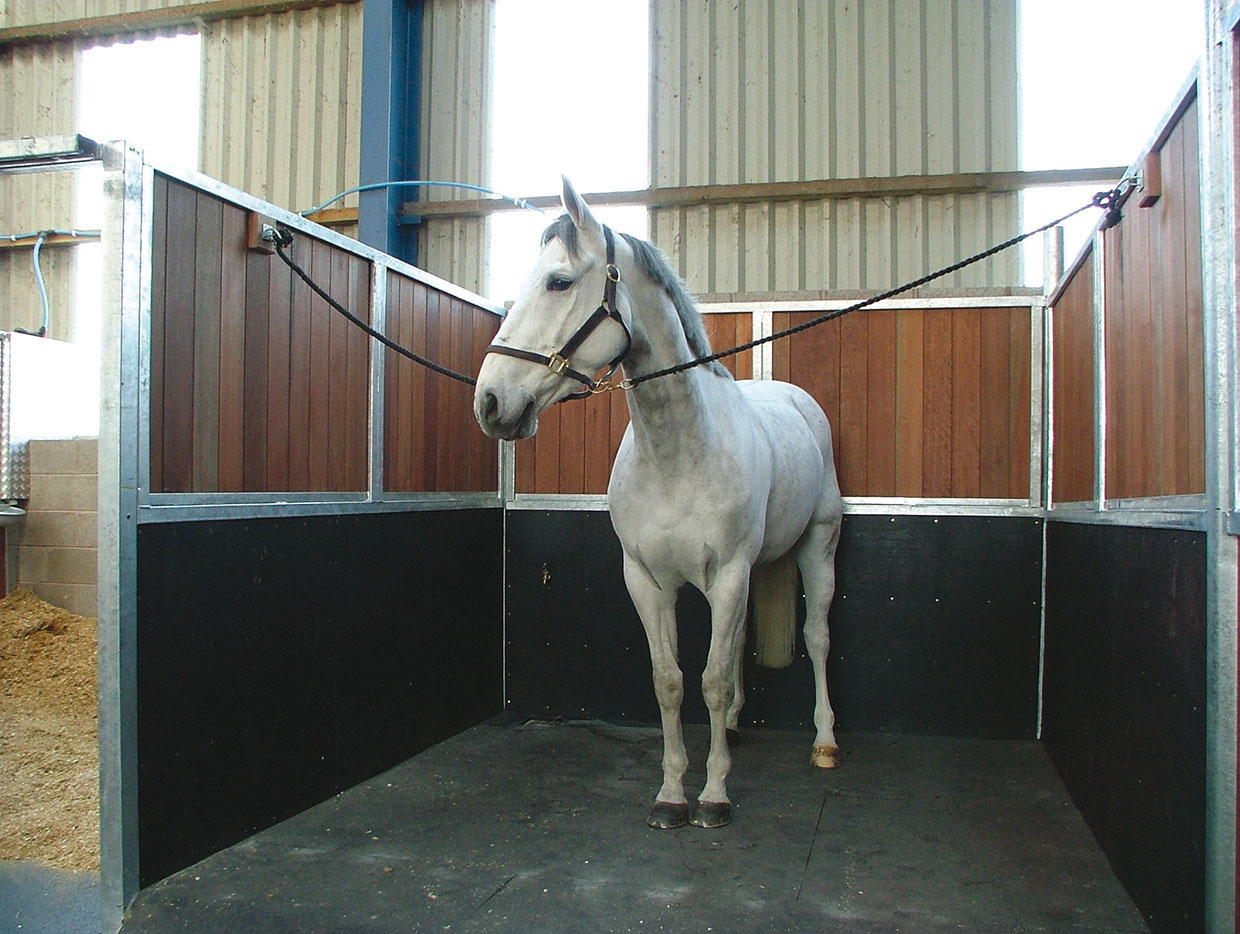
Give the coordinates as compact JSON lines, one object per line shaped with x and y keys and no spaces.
{"x":232,"y":351}
{"x":436,"y":343}
{"x":965,"y":402}
{"x":338,"y":375}
{"x":1073,"y":392}
{"x":572,"y":447}
{"x":995,"y":428}
{"x":260,"y":314}
{"x":179,"y":343}
{"x":1194,"y":303}
{"x":207,"y":257}
{"x":881,"y":404}
{"x":1020,"y":437}
{"x":1172,"y":302}
{"x":598,"y":446}
{"x":159,"y":311}
{"x":937,"y":398}
{"x":909,"y":389}
{"x":282,"y":322}
{"x":415,"y":430}
{"x":301,"y":308}
{"x":547,"y":450}
{"x":853,"y":439}
{"x":317,"y":450}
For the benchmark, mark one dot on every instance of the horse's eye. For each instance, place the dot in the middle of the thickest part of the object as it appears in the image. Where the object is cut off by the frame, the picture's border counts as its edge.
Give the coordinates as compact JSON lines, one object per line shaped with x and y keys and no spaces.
{"x":558,"y":284}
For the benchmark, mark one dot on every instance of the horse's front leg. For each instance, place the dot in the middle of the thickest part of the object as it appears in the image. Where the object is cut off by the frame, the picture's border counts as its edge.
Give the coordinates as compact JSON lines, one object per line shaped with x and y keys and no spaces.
{"x":728,"y":597}
{"x":657,"y":608}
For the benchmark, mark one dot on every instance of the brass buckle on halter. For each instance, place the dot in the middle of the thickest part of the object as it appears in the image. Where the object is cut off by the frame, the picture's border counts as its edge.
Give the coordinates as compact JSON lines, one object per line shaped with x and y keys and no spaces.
{"x":608,"y":386}
{"x":557,"y":364}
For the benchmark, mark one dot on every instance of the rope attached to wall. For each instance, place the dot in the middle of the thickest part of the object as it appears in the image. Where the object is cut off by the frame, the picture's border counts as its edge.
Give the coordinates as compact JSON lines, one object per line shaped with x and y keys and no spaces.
{"x":283,"y":237}
{"x":1107,"y":200}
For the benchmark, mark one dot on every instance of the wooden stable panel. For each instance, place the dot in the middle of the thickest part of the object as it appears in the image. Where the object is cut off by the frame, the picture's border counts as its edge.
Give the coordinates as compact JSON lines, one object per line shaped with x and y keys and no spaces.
{"x":1072,"y":416}
{"x":922,"y":402}
{"x":256,"y":384}
{"x":577,"y":442}
{"x":1155,"y":375}
{"x":432,"y":442}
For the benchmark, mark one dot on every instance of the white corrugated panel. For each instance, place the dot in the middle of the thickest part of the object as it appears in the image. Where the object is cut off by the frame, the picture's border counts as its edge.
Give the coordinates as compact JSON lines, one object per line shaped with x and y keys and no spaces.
{"x":792,"y":90}
{"x":455,"y":132}
{"x":282,"y":104}
{"x":38,"y":89}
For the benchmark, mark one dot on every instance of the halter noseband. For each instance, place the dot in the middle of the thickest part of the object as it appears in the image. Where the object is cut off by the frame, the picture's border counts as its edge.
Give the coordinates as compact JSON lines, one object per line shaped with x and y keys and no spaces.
{"x":560,"y":362}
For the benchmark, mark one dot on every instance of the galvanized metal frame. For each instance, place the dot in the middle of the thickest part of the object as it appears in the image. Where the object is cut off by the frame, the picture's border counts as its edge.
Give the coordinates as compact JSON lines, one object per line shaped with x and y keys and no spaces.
{"x":127,"y":297}
{"x":1218,"y":117}
{"x":177,"y":507}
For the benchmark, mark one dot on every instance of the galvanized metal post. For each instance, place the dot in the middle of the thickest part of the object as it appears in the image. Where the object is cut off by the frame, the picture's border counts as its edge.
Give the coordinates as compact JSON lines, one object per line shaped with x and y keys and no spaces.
{"x":1217,"y":110}
{"x":127,"y":296}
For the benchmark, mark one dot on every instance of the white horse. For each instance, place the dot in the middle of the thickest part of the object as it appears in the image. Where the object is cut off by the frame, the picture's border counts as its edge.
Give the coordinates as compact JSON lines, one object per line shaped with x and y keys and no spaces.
{"x":715,"y":479}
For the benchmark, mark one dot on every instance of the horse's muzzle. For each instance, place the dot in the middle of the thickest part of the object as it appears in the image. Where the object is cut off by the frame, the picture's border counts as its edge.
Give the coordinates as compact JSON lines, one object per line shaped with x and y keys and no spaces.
{"x":505,"y":415}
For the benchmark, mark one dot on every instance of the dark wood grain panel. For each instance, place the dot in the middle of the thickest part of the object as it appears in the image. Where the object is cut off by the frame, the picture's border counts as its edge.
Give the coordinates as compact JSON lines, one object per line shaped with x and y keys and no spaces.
{"x":232,"y":350}
{"x":1072,"y":415}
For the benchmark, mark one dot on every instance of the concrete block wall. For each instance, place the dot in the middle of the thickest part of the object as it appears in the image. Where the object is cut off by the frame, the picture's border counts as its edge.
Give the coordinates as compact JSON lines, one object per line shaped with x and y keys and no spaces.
{"x":57,"y":550}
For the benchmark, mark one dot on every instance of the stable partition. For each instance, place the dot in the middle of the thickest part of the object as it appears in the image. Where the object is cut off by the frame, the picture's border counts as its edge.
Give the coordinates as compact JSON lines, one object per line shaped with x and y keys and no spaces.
{"x":300,"y":545}
{"x":1127,"y":690}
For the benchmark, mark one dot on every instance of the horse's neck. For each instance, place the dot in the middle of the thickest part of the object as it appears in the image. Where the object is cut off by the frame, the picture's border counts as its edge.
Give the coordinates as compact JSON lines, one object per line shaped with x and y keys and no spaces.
{"x":670,"y":414}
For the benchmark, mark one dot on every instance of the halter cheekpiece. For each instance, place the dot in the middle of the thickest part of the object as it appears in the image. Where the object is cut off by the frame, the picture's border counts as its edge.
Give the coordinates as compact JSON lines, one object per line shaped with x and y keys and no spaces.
{"x":560,"y":362}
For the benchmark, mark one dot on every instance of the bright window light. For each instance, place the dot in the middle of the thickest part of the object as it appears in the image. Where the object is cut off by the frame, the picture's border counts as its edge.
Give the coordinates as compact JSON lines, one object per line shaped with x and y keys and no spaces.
{"x":147,"y":92}
{"x":1088,"y":102}
{"x":547,"y":121}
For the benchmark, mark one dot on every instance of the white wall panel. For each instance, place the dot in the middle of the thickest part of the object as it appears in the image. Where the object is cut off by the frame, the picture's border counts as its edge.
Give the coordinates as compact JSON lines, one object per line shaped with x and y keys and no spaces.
{"x":791,"y":90}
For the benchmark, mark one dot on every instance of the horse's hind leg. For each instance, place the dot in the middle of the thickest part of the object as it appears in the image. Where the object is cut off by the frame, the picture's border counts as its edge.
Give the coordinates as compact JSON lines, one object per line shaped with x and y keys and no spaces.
{"x":816,"y":558}
{"x":657,"y":609}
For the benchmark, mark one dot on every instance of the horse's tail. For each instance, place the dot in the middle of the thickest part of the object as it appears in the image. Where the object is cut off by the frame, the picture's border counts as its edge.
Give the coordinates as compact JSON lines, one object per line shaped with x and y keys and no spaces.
{"x":774,"y":590}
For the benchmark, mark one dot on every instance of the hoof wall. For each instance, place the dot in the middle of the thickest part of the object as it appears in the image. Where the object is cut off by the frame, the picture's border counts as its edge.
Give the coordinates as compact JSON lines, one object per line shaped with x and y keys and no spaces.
{"x":711,"y":814}
{"x":825,"y":757}
{"x":667,"y":816}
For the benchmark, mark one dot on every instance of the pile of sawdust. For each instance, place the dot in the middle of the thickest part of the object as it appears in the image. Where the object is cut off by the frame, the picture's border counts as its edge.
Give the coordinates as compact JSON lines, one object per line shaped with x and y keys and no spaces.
{"x":49,"y":728}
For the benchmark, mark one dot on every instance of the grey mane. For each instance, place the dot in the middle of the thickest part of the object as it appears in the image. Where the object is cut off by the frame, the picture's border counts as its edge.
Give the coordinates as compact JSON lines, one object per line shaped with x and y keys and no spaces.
{"x":651,"y":262}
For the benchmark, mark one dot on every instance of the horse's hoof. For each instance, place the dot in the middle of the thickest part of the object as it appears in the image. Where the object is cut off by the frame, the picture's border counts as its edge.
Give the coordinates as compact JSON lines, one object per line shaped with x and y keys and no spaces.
{"x":668,"y":816}
{"x":825,"y":757}
{"x":711,"y":814}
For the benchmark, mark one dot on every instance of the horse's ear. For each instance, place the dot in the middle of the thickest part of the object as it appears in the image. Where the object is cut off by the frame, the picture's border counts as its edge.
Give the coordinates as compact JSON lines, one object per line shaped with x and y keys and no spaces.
{"x":583,"y":219}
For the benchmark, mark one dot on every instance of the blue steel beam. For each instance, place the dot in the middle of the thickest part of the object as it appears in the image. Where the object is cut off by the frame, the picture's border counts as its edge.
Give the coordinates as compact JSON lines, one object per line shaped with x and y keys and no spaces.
{"x":391,"y":99}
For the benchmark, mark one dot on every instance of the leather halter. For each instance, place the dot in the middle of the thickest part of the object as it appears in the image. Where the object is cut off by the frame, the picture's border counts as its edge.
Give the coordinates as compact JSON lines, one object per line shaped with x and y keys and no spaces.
{"x":560,"y":362}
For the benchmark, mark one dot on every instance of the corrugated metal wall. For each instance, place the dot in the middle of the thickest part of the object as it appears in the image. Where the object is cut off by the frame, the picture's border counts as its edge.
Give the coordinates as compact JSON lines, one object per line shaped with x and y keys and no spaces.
{"x":38,"y":88}
{"x":281,"y":113}
{"x":455,"y":139}
{"x":791,"y":90}
{"x":39,"y":12}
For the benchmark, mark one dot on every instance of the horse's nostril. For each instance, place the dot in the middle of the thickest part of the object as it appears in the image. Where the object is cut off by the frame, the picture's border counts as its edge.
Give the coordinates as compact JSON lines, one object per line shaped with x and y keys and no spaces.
{"x":490,"y":404}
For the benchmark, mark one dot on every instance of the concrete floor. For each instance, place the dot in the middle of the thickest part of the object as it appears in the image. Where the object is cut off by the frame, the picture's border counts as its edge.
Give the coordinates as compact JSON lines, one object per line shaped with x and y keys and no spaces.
{"x":36,"y":899}
{"x":537,"y":827}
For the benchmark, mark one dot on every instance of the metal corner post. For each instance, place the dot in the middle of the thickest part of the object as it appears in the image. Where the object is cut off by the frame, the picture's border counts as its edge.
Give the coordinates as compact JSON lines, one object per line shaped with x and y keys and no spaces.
{"x":391,"y":98}
{"x":127,"y":296}
{"x":1218,"y":193}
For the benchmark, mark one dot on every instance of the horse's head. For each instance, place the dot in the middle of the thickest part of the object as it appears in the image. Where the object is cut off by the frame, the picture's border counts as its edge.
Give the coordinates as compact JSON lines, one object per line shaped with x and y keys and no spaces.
{"x":572,"y":319}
